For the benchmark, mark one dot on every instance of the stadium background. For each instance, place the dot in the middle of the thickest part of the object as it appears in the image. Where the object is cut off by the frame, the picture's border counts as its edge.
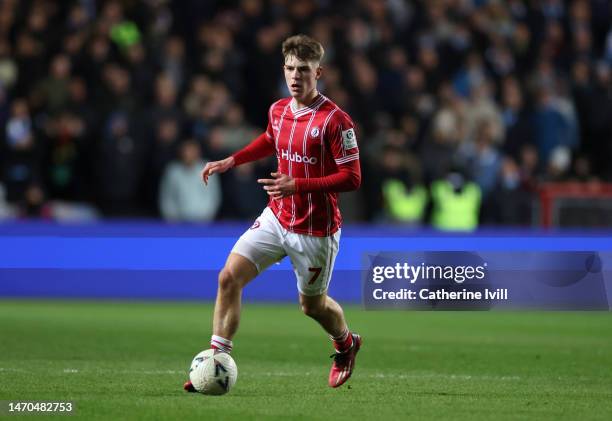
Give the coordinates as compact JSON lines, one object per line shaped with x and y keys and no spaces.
{"x":98,"y":100}
{"x":483,"y":125}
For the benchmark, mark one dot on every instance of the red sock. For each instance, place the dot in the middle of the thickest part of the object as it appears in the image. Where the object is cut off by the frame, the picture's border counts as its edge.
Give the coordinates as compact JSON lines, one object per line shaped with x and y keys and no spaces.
{"x":343,"y":342}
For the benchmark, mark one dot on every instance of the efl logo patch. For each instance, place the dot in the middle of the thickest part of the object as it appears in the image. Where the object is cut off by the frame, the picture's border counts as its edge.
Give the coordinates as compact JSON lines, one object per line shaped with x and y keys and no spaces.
{"x":314,"y":132}
{"x":349,"y":140}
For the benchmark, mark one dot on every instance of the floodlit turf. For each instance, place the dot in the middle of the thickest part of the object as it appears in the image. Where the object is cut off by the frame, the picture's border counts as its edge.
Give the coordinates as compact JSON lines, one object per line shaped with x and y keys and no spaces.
{"x":129,"y":361}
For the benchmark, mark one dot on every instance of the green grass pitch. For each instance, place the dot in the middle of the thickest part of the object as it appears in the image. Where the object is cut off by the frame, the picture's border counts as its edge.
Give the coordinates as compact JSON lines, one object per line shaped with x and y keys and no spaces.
{"x":124,"y":360}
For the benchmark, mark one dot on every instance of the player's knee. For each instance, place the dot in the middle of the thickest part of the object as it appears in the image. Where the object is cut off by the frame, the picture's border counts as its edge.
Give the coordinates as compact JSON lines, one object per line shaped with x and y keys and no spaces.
{"x":228,"y":281}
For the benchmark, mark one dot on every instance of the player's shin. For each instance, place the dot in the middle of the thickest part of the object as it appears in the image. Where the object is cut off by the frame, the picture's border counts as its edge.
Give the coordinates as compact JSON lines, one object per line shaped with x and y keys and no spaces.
{"x":227,"y":307}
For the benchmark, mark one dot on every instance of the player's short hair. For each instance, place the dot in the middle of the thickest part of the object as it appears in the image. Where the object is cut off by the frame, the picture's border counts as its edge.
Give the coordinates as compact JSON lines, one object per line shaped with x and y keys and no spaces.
{"x":303,"y":47}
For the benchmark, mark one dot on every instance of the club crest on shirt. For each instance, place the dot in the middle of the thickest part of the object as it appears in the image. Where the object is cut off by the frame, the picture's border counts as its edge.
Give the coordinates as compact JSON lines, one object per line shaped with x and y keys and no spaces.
{"x":314,"y":132}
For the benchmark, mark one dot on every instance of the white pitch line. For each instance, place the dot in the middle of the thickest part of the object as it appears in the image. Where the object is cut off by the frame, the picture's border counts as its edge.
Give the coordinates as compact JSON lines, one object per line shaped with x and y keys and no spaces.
{"x":14,"y":370}
{"x":254,"y":374}
{"x":399,"y":376}
{"x":390,"y":376}
{"x":443,"y":376}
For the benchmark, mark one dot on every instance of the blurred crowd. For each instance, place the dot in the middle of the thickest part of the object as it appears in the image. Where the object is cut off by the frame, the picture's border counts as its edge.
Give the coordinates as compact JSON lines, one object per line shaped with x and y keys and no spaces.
{"x":110,"y":108}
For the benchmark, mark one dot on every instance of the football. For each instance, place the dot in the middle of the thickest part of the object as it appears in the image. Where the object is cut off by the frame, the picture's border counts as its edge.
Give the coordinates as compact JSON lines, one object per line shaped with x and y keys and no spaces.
{"x":213,"y":372}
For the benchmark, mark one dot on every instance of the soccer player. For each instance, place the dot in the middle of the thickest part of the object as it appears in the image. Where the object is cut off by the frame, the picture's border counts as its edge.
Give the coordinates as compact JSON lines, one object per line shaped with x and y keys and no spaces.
{"x":316,"y":148}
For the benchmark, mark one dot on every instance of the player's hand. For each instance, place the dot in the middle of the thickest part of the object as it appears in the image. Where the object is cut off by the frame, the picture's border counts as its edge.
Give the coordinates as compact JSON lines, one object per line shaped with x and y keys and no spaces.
{"x":216,"y":167}
{"x":279,"y":186}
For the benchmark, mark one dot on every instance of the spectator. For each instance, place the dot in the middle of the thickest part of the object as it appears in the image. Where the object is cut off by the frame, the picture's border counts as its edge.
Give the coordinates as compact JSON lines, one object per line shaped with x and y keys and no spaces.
{"x":8,"y":65}
{"x":455,"y":202}
{"x":34,"y":204}
{"x":404,"y":196}
{"x":182,"y":195}
{"x":482,"y":109}
{"x":552,"y":127}
{"x":22,"y":152}
{"x":513,"y":201}
{"x":52,"y":92}
{"x":65,"y":140}
{"x":516,"y":118}
{"x":121,"y":161}
{"x":235,"y":132}
{"x":481,"y":158}
{"x":141,"y":70}
{"x":447,"y":132}
{"x":173,"y":62}
{"x":166,"y":101}
{"x":163,"y":150}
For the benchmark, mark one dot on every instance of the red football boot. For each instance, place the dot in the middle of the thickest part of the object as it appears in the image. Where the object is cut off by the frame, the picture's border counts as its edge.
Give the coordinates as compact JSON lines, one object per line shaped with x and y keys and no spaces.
{"x":188,"y":386}
{"x":344,"y":363}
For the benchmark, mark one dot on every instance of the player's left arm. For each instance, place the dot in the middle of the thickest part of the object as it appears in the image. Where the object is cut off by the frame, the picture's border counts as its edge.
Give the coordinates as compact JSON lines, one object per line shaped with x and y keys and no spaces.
{"x":344,"y":149}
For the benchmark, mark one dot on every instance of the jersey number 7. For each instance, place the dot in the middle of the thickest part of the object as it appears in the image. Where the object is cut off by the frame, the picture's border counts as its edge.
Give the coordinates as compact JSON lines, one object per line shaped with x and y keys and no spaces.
{"x":316,"y":272}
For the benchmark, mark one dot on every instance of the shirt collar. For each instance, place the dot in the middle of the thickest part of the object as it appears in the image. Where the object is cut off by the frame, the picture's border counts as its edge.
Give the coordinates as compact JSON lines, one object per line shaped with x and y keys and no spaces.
{"x":308,"y":109}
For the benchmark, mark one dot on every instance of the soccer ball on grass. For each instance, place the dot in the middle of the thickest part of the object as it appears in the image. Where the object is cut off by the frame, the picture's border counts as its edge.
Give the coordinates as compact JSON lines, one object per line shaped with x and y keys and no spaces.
{"x":213,"y":372}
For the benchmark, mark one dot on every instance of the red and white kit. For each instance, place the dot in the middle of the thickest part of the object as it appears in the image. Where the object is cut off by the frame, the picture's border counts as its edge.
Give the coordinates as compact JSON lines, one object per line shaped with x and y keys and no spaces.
{"x":317,"y":146}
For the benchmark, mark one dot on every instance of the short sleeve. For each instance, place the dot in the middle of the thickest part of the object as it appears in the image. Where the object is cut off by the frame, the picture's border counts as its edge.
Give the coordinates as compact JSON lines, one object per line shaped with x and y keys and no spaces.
{"x":342,"y":138}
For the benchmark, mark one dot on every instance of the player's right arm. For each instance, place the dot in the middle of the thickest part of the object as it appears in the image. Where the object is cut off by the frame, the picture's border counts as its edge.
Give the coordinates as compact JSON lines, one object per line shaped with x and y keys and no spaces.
{"x":217,"y":167}
{"x":259,"y":148}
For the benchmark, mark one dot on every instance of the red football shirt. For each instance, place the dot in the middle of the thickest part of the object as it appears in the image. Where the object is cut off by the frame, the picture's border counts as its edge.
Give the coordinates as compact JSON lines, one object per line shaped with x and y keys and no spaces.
{"x":310,"y":142}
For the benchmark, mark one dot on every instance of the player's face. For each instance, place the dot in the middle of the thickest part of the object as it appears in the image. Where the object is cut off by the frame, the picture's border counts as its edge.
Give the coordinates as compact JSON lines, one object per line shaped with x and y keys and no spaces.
{"x":301,"y":77}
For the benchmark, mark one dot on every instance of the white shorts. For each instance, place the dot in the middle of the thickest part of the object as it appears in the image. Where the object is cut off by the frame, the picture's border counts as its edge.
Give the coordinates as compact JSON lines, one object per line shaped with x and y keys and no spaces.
{"x":312,"y":258}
